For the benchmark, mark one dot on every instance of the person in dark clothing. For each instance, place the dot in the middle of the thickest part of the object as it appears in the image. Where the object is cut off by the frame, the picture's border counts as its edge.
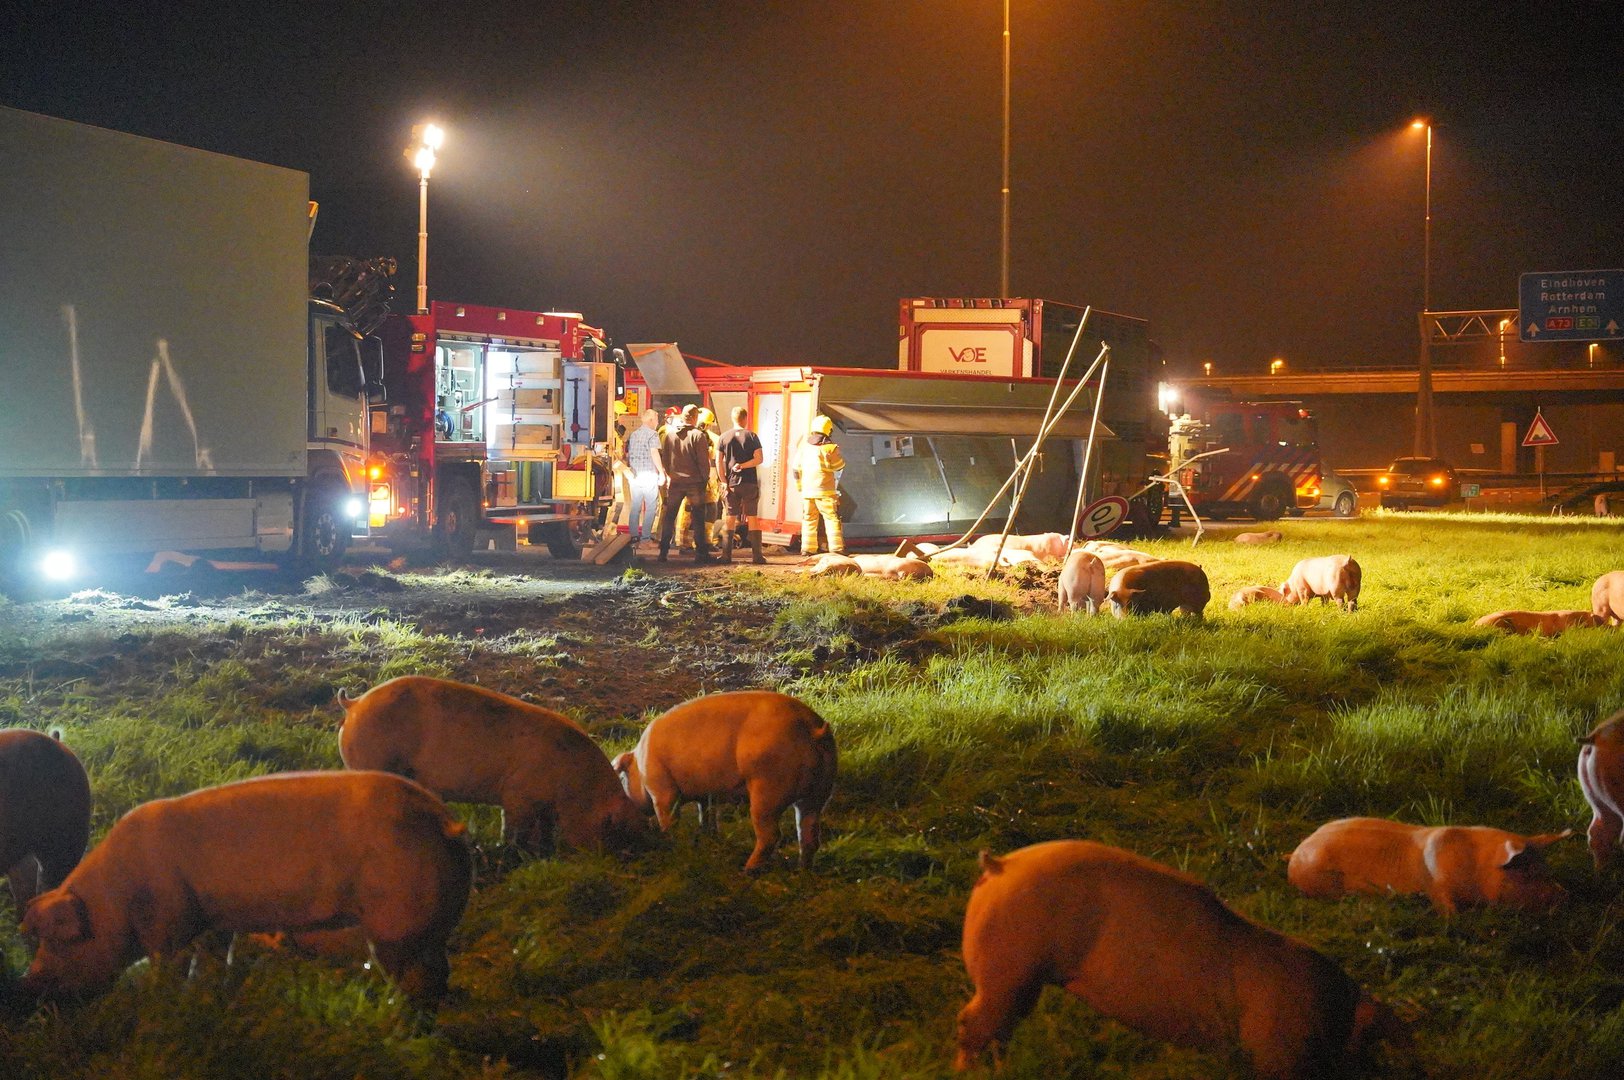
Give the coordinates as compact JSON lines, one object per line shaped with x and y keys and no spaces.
{"x":736,"y":460}
{"x":685,"y":457}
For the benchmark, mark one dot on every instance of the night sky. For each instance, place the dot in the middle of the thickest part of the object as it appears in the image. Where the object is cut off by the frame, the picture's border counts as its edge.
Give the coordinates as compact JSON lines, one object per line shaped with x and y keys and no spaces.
{"x":761,"y":181}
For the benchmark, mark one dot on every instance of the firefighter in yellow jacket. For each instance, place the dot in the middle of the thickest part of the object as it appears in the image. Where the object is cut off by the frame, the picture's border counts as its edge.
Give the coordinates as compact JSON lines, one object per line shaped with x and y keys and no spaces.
{"x":817,"y":465}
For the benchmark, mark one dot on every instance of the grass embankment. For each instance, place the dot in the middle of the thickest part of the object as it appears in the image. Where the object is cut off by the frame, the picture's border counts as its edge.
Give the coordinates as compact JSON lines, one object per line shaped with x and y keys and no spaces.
{"x":1214,"y":747}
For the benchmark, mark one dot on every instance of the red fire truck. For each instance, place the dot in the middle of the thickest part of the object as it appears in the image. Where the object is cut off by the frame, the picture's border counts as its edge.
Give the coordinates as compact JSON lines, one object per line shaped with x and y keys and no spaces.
{"x":1262,"y":457}
{"x":495,"y":419}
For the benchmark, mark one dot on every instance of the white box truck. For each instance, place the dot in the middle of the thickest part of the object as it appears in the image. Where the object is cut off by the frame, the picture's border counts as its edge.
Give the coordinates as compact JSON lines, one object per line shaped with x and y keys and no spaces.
{"x":168,"y":382}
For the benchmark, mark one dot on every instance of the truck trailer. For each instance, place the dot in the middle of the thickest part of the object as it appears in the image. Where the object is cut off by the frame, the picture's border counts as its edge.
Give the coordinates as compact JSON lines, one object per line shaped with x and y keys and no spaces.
{"x":173,"y":386}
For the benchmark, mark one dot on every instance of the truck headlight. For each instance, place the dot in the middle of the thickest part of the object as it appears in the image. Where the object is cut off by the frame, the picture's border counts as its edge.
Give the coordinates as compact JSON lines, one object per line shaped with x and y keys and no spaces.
{"x":353,"y":508}
{"x":58,"y":564}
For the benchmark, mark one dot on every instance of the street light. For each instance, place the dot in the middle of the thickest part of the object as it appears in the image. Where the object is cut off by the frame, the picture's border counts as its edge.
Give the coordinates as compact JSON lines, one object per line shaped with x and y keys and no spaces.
{"x":1590,"y":360}
{"x":1003,"y":248}
{"x":1425,"y":437}
{"x":1275,"y":365}
{"x":426,"y":139}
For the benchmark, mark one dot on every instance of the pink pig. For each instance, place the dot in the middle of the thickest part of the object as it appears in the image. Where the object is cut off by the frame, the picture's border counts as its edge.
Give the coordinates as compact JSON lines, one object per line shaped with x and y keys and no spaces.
{"x":893,"y":567}
{"x":1049,"y":546}
{"x":1607,"y":597}
{"x":1255,"y":594}
{"x":1082,"y":582}
{"x":1329,"y":577}
{"x":1156,"y":950}
{"x":1601,"y":776}
{"x":1456,"y":866}
{"x":1546,"y":623}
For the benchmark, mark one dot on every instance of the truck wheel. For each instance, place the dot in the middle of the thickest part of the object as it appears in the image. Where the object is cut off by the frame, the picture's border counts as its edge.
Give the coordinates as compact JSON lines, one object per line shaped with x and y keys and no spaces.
{"x":1273,"y":498}
{"x":458,"y":523}
{"x":324,"y":531}
{"x":567,"y":539}
{"x":1346,"y":503}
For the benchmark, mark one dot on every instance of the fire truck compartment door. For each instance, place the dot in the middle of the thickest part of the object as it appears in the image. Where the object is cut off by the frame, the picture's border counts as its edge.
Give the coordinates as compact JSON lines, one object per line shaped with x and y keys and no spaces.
{"x":940,"y":407}
{"x":664,"y":369}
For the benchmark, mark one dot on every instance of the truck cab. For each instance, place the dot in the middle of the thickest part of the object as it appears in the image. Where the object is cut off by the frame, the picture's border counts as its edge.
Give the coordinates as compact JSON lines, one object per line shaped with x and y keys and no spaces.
{"x":1265,"y":457}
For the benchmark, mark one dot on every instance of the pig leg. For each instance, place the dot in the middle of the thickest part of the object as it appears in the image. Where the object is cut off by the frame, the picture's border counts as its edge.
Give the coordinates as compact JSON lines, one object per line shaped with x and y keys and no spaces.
{"x":765,"y":810}
{"x":532,"y":826}
{"x":809,"y":832}
{"x":24,"y":879}
{"x":991,"y":1016}
{"x":420,"y":968}
{"x":1604,"y":831}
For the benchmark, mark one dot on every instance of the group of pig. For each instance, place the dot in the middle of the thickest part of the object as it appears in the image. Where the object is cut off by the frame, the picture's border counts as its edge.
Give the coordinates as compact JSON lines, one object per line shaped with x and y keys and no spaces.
{"x":374,"y":847}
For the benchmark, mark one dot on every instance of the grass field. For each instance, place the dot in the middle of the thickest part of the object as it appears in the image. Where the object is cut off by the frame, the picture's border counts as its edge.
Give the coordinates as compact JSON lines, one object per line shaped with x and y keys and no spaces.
{"x":1212,"y":746}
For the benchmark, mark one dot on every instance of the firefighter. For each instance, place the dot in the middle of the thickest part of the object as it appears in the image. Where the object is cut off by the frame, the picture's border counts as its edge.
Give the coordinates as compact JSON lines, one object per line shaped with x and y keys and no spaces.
{"x":713,"y":486}
{"x":686,"y":458}
{"x":618,"y":467}
{"x":817,"y":472}
{"x":736,"y":459}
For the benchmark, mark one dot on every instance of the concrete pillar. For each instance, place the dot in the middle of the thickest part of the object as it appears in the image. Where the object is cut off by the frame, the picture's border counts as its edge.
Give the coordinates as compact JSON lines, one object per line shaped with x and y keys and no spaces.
{"x":1508,"y":447}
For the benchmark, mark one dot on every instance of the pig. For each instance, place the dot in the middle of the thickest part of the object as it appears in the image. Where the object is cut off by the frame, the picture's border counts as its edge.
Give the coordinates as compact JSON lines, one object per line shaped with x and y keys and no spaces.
{"x":44,"y":812}
{"x":981,"y":558}
{"x":1607,"y":597}
{"x":1116,"y":557}
{"x":1272,"y":536}
{"x":469,"y":744}
{"x":294,"y":851}
{"x":758,"y":745}
{"x":1048,"y":547}
{"x":1548,"y":623}
{"x":1329,"y":577}
{"x":1256,"y":594}
{"x":1162,"y":586}
{"x":893,"y":568}
{"x":830,"y":564}
{"x":1156,"y":950}
{"x":1455,"y":866}
{"x":1601,"y":777}
{"x":1082,"y":582}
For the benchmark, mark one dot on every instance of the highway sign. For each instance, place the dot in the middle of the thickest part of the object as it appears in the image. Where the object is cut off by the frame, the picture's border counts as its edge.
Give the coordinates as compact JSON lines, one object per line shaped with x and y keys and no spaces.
{"x":1576,"y":305}
{"x":1471,"y":491}
{"x":1539,"y":432}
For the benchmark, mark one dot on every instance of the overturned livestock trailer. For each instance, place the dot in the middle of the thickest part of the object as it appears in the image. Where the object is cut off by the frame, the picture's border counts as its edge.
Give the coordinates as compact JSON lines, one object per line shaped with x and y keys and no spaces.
{"x":928,"y":445}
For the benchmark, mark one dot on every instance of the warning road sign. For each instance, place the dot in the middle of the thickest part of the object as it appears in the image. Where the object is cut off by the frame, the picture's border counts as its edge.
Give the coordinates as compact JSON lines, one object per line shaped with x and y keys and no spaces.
{"x":1539,"y":432}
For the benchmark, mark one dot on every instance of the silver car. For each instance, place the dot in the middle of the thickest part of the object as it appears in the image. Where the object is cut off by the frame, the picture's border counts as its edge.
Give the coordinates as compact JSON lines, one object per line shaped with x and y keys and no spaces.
{"x":1337,"y":495}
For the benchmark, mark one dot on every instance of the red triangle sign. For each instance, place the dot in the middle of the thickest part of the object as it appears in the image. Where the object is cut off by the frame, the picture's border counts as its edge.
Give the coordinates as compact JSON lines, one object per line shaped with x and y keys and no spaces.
{"x":1539,"y":432}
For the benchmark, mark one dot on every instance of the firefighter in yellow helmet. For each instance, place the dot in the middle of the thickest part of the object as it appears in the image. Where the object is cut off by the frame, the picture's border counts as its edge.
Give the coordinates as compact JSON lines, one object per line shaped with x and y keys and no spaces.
{"x":817,"y":469}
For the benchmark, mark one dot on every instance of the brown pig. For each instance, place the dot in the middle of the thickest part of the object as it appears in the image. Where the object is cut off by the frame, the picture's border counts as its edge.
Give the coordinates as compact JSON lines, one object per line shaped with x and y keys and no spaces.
{"x":1255,"y":594}
{"x":1329,"y":577}
{"x":44,"y":812}
{"x":1547,"y":623}
{"x":1082,"y":582}
{"x":1156,"y":950}
{"x":1272,"y":536}
{"x":1456,"y":866}
{"x":469,"y":744}
{"x":295,"y":851}
{"x":1162,"y":586}
{"x":758,"y":745}
{"x":893,"y":567}
{"x":1607,"y":597}
{"x":1601,"y":776}
{"x":1049,"y":546}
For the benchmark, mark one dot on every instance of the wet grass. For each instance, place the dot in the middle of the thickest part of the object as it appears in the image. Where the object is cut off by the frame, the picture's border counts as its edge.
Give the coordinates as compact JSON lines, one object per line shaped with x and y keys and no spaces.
{"x":1214,"y":746}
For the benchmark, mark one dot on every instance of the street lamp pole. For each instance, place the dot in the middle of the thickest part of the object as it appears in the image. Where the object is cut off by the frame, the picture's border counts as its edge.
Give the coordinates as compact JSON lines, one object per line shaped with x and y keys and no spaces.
{"x":427,"y":138}
{"x":1003,"y":251}
{"x":1426,"y":442}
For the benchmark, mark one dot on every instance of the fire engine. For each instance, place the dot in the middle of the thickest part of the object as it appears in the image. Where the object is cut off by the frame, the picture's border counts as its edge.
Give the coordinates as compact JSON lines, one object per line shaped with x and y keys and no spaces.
{"x":495,"y":419}
{"x":1255,"y":457}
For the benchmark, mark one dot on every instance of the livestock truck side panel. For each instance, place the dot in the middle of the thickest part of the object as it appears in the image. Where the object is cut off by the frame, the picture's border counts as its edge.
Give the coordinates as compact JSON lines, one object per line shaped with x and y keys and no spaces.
{"x":168,"y":384}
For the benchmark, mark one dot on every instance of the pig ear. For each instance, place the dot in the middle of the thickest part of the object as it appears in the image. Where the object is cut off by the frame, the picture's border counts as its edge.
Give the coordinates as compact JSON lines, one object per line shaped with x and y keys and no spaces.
{"x":622,"y":762}
{"x":990,"y":863}
{"x":59,"y":917}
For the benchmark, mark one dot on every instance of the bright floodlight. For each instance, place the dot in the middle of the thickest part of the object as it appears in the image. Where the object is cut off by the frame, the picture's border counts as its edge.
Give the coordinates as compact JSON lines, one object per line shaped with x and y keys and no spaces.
{"x":58,"y":565}
{"x":353,"y":508}
{"x":424,"y":160}
{"x":433,"y":136}
{"x":1419,"y":125}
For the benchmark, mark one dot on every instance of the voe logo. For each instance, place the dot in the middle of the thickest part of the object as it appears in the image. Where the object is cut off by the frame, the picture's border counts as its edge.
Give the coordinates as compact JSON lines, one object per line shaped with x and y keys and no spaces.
{"x":970,"y":354}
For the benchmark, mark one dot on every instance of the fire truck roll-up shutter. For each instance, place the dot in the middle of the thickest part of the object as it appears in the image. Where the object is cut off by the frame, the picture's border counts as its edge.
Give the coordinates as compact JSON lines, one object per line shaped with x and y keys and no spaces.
{"x":936,"y":407}
{"x":664,"y":369}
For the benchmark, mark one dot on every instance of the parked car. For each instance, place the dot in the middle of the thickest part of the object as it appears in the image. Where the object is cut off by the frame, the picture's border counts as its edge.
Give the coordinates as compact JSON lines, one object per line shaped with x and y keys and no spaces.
{"x":1337,"y":495}
{"x":1416,"y":481}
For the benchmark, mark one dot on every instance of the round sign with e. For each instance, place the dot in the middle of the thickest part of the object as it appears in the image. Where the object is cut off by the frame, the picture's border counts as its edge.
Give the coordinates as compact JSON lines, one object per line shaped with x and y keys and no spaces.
{"x":1101,"y":516}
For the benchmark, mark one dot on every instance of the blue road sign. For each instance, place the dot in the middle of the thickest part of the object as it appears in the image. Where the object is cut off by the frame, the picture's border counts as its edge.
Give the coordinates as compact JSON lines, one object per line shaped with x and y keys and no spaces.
{"x":1578,"y":305}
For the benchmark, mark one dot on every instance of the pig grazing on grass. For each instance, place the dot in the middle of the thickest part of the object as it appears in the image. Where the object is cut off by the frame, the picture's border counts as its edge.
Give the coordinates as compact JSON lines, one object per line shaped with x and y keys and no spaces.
{"x":469,"y":744}
{"x":1456,"y":866}
{"x":296,"y":851}
{"x":893,"y":567}
{"x":758,"y":745}
{"x":1256,"y":594}
{"x":1156,"y":950}
{"x":1272,"y":536}
{"x":1601,"y":776}
{"x":1547,"y":623}
{"x":1329,"y":577}
{"x":1607,"y":597}
{"x":1048,"y":547}
{"x":1082,"y":582}
{"x":1162,"y":586}
{"x":44,"y":812}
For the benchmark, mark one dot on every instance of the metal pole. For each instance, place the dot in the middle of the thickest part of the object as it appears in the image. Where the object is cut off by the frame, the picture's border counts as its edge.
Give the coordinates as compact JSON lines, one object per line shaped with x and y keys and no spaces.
{"x":423,"y":244}
{"x":1426,"y":443}
{"x":1088,"y":454}
{"x":1003,"y":251}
